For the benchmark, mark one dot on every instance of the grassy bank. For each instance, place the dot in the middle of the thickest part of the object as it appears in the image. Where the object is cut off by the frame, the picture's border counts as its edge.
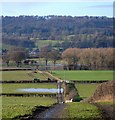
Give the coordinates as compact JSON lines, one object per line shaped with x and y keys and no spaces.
{"x":86,"y":90}
{"x":82,"y":111}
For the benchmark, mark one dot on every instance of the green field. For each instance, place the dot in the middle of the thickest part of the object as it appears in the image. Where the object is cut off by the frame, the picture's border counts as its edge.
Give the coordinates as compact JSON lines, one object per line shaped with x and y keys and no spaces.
{"x":22,"y":75}
{"x":12,"y":64}
{"x":84,"y":75}
{"x":81,"y":111}
{"x":86,"y":90}
{"x":64,"y":75}
{"x":12,"y":88}
{"x":15,"y":106}
{"x":42,"y":43}
{"x":15,"y":75}
{"x":6,"y":46}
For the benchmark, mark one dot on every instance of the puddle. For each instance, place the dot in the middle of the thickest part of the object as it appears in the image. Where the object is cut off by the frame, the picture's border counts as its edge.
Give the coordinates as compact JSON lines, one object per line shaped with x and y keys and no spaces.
{"x":41,"y":90}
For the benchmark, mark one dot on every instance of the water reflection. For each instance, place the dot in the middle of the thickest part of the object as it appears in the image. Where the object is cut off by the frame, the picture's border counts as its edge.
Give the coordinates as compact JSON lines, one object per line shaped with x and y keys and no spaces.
{"x":40,"y":90}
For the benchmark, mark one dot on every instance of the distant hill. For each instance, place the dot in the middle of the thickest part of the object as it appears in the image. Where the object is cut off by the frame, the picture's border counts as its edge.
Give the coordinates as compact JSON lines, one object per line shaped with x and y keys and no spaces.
{"x":81,"y":32}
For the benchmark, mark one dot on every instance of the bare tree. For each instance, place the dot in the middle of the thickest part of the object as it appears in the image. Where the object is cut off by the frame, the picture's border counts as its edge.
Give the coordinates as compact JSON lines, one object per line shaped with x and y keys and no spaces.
{"x":17,"y":55}
{"x":6,"y":59}
{"x":45,"y":53}
{"x":54,"y":56}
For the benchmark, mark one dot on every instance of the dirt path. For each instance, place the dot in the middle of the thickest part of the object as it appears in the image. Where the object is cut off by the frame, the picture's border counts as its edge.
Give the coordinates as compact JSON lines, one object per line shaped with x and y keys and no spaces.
{"x":108,"y":112}
{"x":54,"y":112}
{"x":54,"y":77}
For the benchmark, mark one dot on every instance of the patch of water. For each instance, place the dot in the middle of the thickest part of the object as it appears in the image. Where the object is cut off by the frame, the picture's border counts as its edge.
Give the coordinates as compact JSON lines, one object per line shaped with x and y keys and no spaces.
{"x":40,"y":90}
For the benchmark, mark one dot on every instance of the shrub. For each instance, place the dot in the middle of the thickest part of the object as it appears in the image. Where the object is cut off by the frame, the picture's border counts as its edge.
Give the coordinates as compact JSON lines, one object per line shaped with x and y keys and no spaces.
{"x":77,"y":99}
{"x":36,"y":80}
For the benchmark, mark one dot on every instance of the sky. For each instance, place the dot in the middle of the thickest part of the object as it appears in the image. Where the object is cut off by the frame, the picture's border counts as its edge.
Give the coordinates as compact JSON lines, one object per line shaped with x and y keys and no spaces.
{"x":78,"y":8}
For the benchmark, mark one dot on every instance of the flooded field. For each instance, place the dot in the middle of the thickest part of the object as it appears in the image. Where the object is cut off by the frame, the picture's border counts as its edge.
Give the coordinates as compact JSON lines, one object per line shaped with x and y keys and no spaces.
{"x":41,"y":90}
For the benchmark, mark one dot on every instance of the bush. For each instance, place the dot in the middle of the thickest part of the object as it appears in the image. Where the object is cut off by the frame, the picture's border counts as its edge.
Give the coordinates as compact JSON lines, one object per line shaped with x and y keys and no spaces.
{"x":36,"y":80}
{"x":77,"y":99}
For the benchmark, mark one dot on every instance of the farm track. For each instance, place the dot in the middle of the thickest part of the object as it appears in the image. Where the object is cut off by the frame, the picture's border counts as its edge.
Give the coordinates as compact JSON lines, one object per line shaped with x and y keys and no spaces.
{"x":51,"y":113}
{"x":43,"y":74}
{"x":108,"y":112}
{"x":52,"y":76}
{"x":31,"y":75}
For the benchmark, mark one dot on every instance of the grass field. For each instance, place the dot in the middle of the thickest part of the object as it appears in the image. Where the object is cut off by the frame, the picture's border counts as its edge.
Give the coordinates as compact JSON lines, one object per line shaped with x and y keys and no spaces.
{"x":42,"y":43}
{"x":15,"y":75}
{"x":86,"y":90}
{"x":15,"y":106}
{"x":22,"y":75}
{"x":12,"y":88}
{"x":81,"y":111}
{"x":6,"y":46}
{"x":64,"y":75}
{"x":85,"y":75}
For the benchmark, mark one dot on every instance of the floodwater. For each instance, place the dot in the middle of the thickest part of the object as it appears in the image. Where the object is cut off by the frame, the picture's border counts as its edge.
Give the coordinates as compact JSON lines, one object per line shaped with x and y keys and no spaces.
{"x":41,"y":90}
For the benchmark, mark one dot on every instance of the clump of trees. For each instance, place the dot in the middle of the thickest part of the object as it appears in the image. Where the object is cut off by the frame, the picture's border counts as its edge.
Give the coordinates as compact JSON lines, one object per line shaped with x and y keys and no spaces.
{"x":93,"y":58}
{"x":49,"y":54}
{"x":71,"y":55}
{"x":16,"y":55}
{"x":22,"y":42}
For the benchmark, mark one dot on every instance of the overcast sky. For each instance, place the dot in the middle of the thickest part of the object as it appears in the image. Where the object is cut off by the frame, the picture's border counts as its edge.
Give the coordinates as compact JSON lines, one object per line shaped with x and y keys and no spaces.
{"x":78,"y":8}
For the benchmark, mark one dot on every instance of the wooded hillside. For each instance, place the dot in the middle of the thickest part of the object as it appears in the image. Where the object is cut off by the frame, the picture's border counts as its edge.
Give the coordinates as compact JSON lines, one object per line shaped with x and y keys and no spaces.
{"x":81,"y":32}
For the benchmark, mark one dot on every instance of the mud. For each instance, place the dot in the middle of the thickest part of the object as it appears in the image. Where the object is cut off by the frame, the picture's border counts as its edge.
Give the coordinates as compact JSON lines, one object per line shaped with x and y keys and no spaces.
{"x":51,"y":113}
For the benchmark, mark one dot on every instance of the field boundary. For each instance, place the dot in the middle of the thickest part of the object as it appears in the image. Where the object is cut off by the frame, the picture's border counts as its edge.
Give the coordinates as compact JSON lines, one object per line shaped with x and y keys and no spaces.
{"x":89,"y":81}
{"x":51,"y":81}
{"x":29,"y":94}
{"x":14,"y":69}
{"x":29,"y":81}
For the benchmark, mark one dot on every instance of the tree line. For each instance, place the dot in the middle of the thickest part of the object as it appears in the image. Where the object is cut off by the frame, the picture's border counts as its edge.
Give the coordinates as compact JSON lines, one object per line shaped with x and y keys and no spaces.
{"x":17,"y":42}
{"x":76,"y":58}
{"x":16,"y":55}
{"x":90,"y":58}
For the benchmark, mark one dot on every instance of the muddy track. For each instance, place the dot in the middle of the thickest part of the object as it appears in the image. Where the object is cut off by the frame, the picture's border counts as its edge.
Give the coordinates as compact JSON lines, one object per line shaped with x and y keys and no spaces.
{"x":51,"y":113}
{"x":108,"y":112}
